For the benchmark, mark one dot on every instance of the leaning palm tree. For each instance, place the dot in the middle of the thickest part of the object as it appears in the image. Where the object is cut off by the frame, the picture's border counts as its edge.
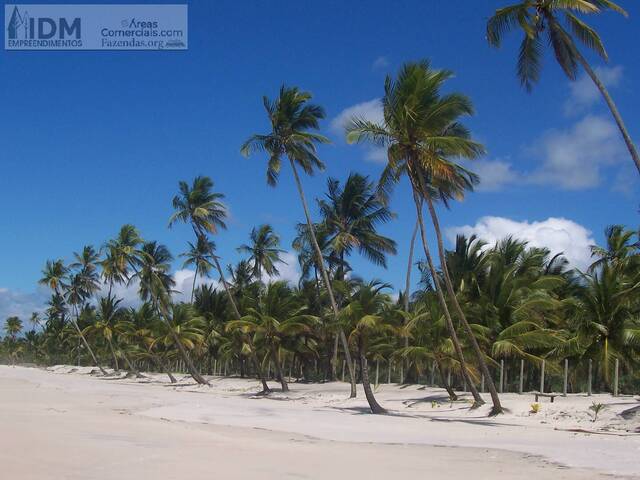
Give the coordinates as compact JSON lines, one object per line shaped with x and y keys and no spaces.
{"x":293,"y":120}
{"x":421,"y":133}
{"x":558,"y":21}
{"x":264,"y":251}
{"x":200,"y":256}
{"x":202,"y":208}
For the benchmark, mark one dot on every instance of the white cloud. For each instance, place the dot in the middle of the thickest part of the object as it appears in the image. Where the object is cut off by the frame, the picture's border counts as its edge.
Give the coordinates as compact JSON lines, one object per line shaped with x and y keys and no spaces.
{"x":572,"y":159}
{"x":559,"y":235}
{"x":371,"y":110}
{"x":584,"y":93}
{"x":20,"y":304}
{"x":380,"y":63}
{"x":289,"y":269}
{"x":494,"y":174}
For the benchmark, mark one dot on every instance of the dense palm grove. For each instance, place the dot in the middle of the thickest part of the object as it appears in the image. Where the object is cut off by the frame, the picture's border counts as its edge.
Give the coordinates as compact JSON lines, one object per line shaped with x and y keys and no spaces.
{"x":482,"y":313}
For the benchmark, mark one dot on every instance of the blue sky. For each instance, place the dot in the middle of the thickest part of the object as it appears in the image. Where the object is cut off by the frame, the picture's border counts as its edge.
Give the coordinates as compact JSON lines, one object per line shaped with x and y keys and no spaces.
{"x":93,"y":140}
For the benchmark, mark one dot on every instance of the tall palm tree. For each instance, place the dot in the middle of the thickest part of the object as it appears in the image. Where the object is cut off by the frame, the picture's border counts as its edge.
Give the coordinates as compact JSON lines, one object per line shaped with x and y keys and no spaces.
{"x":558,"y":21}
{"x":202,"y":208}
{"x":351,"y":215}
{"x":53,"y":275}
{"x":200,"y":256}
{"x":293,"y":120}
{"x":86,"y":264}
{"x":264,"y":251}
{"x":155,"y":263}
{"x":421,"y":131}
{"x":13,"y":327}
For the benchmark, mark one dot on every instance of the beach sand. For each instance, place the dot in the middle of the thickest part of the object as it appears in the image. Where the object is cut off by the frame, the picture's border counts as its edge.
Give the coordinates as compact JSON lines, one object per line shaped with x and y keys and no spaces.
{"x":66,"y":424}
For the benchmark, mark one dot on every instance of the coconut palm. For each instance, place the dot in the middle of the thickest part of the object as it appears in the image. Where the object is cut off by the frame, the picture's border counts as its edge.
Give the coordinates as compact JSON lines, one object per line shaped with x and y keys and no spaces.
{"x":558,"y":21}
{"x":199,"y":256}
{"x":264,"y":252}
{"x":275,"y":315}
{"x":365,"y":314}
{"x":293,"y":121}
{"x":13,"y":327}
{"x":154,"y":265}
{"x":620,"y":252}
{"x":202,"y":208}
{"x":351,"y":215}
{"x":53,"y":275}
{"x":421,"y":132}
{"x":86,"y":264}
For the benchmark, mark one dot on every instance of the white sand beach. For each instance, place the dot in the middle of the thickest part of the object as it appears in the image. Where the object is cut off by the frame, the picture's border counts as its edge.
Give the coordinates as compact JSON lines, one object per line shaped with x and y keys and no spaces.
{"x":63,"y":423}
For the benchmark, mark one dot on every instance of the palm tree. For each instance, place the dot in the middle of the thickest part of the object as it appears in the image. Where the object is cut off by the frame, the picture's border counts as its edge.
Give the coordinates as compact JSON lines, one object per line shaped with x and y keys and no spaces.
{"x":538,"y":18}
{"x":620,"y":252}
{"x":276,"y":314}
{"x":13,"y":327}
{"x":264,"y":252}
{"x":127,"y":254}
{"x":53,"y":275}
{"x":86,"y":264}
{"x":421,"y":132}
{"x":366,"y":313}
{"x":200,"y":256}
{"x":75,"y":295}
{"x":155,"y":263}
{"x":292,"y":120}
{"x":350,"y":217}
{"x":203,"y":209}
{"x":104,"y":324}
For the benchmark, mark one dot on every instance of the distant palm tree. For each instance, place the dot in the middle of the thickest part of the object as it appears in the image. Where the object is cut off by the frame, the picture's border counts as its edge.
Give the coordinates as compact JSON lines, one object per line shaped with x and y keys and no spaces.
{"x":538,"y":18}
{"x":620,"y":252}
{"x":421,"y":131}
{"x":155,"y":263}
{"x":264,"y":252}
{"x":351,"y":215}
{"x":86,"y":263}
{"x":53,"y":275}
{"x":292,"y":120}
{"x":13,"y":327}
{"x":202,"y":208}
{"x":199,"y":255}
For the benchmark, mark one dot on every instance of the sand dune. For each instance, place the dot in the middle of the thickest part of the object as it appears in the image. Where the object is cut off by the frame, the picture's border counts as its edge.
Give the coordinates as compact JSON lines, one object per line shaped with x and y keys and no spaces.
{"x":61,"y":425}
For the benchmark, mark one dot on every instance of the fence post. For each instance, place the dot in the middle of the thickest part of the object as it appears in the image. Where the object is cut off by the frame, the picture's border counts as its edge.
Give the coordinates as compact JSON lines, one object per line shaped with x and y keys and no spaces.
{"x":433,"y":373}
{"x":501,"y":385}
{"x":389,"y":372}
{"x":615,"y":378}
{"x":590,"y":381}
{"x":343,"y":365}
{"x":449,"y":377}
{"x":521,"y":387}
{"x":566,"y":377}
{"x":542,"y":377}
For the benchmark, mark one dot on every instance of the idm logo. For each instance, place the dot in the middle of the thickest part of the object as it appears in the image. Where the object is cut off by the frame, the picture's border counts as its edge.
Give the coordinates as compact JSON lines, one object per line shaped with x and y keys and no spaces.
{"x":22,"y":26}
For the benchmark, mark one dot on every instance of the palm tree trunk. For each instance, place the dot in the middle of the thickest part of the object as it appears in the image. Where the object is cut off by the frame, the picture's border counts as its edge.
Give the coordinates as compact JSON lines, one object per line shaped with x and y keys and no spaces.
{"x":438,"y":287}
{"x":163,"y":367}
{"x":130,"y":366}
{"x":497,"y":407}
{"x":376,"y":408}
{"x":193,"y":287}
{"x":280,"y":375}
{"x":86,"y":344}
{"x":452,"y":395}
{"x":325,"y":278}
{"x":605,"y":93}
{"x":407,"y":283}
{"x":113,"y":354}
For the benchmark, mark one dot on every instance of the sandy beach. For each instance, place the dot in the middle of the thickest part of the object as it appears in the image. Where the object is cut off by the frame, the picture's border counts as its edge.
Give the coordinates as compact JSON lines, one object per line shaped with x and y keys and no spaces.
{"x":67,"y":424}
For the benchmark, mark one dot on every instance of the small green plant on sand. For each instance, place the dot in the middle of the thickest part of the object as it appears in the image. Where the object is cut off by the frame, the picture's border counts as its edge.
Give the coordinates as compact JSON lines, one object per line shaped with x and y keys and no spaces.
{"x":435,"y":404}
{"x":535,"y":408}
{"x":596,"y":408}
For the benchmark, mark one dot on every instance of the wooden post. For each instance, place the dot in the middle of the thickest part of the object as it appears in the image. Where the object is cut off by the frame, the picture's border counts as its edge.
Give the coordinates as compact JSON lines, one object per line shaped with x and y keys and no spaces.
{"x":615,"y":378}
{"x":433,"y":373}
{"x":401,"y":372}
{"x":215,"y":366}
{"x":343,"y":365}
{"x":449,"y":378}
{"x":501,"y":385}
{"x":566,"y":377}
{"x":269,"y":370}
{"x":290,"y":367}
{"x":542,"y":377}
{"x":226,"y":365}
{"x":521,"y":387}
{"x":377,"y":371}
{"x":389,"y":372}
{"x":482,"y":383}
{"x":590,"y":377}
